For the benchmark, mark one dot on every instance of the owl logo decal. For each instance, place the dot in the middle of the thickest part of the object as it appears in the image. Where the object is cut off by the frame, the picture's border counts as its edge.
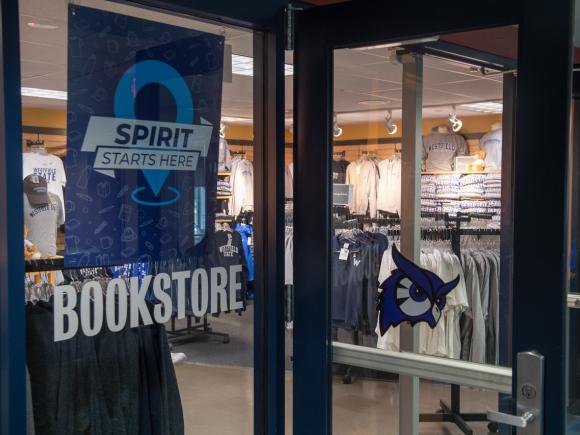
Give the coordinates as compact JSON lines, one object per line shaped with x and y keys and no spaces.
{"x":412,"y":294}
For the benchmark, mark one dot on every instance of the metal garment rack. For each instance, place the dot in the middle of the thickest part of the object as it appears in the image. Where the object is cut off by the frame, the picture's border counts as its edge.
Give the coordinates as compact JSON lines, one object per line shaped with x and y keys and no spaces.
{"x":451,"y":413}
{"x":192,"y":332}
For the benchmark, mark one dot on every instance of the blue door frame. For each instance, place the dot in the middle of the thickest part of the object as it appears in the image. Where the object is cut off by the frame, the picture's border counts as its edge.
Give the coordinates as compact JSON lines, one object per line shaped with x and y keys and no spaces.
{"x":12,"y":331}
{"x":539,"y":280}
{"x":266,"y":19}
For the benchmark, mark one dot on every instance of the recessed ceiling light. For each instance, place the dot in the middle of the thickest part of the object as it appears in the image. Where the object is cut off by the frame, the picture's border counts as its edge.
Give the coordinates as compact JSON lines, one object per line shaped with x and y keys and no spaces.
{"x":484,"y":107}
{"x":374,"y":102}
{"x":43,"y":93}
{"x":244,"y":66}
{"x":41,"y":26}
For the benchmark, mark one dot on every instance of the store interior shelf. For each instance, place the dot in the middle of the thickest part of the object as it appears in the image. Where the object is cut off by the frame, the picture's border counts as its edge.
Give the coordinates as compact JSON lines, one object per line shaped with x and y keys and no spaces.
{"x":223,"y":196}
{"x":224,"y":174}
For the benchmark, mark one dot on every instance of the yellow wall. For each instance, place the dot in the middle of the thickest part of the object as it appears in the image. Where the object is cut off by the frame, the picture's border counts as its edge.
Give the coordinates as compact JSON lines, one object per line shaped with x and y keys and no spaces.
{"x":471,"y":124}
{"x":44,"y":118}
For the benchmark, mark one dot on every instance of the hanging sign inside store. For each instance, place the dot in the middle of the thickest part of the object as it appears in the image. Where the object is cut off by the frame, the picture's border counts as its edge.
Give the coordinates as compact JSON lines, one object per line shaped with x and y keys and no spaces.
{"x":144,"y":100}
{"x":341,"y":194}
{"x":412,"y":294}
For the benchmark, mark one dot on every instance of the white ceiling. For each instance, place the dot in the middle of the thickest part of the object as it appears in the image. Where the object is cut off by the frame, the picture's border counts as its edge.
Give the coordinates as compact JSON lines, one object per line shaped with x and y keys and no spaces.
{"x":360,"y":75}
{"x":374,"y":76}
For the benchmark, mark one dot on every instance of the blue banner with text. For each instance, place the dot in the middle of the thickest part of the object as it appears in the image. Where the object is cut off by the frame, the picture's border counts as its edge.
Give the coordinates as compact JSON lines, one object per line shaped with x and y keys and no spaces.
{"x":144,"y":104}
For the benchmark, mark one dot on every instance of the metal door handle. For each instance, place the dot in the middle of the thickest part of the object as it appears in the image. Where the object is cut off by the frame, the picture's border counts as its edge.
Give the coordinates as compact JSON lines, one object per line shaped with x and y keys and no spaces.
{"x":511,"y":420}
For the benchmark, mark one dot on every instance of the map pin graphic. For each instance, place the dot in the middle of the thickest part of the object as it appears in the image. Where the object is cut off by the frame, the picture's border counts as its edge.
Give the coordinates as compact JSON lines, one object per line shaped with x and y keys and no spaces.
{"x":135,"y":78}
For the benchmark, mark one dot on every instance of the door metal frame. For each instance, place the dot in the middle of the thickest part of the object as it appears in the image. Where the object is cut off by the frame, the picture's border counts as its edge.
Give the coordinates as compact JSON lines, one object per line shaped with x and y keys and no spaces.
{"x":12,"y":328}
{"x":269,"y":331}
{"x":543,"y":28}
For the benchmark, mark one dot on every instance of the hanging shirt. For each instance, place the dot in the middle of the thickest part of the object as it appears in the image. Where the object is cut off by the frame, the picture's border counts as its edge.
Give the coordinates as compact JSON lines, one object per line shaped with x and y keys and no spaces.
{"x":43,"y":223}
{"x":289,"y":181}
{"x":228,"y":250}
{"x":246,"y":231}
{"x":348,"y":276}
{"x":48,"y":166}
{"x":491,"y":144}
{"x":492,"y":325}
{"x":472,"y":322}
{"x":440,"y":150}
{"x":288,"y":259}
{"x":224,"y":157}
{"x":389,"y":188}
{"x":391,"y":339}
{"x":339,"y":171}
{"x":364,"y":176}
{"x":242,"y":182}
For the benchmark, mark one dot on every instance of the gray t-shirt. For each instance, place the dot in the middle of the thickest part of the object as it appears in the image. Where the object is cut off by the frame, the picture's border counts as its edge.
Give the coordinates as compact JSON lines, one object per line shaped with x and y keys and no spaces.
{"x":43,"y":223}
{"x":440,"y":150}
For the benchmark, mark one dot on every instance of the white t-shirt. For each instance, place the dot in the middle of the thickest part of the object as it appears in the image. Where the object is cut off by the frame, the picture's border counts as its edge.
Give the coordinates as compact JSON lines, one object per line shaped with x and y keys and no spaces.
{"x":491,"y":144}
{"x":42,"y":223}
{"x":389,"y":188}
{"x":51,"y":168}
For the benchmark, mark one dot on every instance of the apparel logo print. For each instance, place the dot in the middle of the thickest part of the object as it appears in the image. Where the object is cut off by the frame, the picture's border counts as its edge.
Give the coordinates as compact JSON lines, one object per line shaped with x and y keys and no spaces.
{"x":412,"y":294}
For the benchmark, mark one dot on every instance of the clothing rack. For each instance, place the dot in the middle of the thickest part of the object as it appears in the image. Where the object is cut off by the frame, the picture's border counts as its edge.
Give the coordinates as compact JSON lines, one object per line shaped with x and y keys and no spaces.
{"x":35,"y":143}
{"x":452,"y":413}
{"x":452,"y":231}
{"x":44,"y":264}
{"x":192,"y":332}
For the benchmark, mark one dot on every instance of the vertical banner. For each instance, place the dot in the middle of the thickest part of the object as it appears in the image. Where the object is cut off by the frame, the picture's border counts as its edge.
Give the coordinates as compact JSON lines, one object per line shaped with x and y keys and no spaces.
{"x":144,"y":104}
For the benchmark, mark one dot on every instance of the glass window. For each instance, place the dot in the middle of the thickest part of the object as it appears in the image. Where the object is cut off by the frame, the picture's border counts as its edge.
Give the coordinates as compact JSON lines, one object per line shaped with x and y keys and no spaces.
{"x":138,"y":194}
{"x":419,"y":201}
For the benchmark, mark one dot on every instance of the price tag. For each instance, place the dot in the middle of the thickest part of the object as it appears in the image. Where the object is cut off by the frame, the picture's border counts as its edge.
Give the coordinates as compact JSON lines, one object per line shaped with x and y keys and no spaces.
{"x":344,"y":252}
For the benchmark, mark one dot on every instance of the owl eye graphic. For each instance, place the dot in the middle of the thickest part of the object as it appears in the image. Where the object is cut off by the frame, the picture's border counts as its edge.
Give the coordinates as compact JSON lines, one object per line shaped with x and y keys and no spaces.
{"x":412,"y":300}
{"x":412,"y":294}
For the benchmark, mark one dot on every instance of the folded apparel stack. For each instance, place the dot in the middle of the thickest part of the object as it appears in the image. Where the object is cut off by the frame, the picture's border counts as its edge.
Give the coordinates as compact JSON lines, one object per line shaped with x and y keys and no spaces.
{"x":472,"y":206}
{"x":492,"y":186}
{"x":224,"y":187}
{"x":471,"y":186}
{"x":428,"y":186}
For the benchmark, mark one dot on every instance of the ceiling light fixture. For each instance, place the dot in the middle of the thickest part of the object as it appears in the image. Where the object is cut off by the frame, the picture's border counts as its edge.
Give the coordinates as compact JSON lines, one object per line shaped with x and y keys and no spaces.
{"x":484,"y":107}
{"x":454,"y":122}
{"x":389,"y":124}
{"x":244,"y":66}
{"x":34,"y":25}
{"x":336,"y":130}
{"x":43,"y":93}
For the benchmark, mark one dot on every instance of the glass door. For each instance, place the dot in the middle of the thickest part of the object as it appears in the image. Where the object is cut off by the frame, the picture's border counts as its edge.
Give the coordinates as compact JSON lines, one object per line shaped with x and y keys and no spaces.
{"x":417,"y":194}
{"x":413,"y":264}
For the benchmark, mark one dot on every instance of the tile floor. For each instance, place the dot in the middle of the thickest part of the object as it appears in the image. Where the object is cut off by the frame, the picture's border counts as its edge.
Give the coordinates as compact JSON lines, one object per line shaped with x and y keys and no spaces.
{"x":218,"y":400}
